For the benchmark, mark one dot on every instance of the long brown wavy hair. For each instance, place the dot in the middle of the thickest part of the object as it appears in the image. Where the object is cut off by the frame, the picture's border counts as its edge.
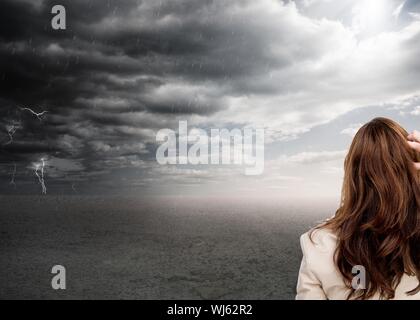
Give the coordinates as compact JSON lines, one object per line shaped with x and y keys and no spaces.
{"x":378,"y":222}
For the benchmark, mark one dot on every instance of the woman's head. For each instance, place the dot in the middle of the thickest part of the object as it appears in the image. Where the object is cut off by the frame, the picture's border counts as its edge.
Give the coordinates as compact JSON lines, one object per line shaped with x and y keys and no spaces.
{"x":378,"y":222}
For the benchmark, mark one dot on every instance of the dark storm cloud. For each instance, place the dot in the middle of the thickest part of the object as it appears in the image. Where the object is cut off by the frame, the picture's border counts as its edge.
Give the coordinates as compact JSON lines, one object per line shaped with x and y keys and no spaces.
{"x":115,"y":59}
{"x":199,"y":42}
{"x":31,"y":147}
{"x":16,"y":16}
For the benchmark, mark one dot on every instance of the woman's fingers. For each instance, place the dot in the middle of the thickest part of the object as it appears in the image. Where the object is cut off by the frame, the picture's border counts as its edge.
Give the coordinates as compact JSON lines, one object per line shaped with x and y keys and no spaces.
{"x":414,"y":140}
{"x":414,"y":136}
{"x":414,"y":145}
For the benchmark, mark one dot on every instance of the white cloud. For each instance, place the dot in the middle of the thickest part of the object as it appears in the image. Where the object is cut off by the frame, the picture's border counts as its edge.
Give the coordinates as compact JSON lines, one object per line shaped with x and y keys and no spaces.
{"x":416,"y":111}
{"x":351,"y":130}
{"x":314,"y":157}
{"x":331,"y":71}
{"x":119,"y":149}
{"x":396,"y":13}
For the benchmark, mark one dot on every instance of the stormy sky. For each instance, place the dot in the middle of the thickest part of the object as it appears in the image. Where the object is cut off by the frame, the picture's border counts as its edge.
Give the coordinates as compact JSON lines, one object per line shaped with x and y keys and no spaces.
{"x":309,"y":72}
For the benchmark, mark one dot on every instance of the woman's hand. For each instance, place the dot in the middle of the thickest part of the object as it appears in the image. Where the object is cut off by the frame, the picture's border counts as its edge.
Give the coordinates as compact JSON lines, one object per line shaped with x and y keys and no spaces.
{"x":414,"y":142}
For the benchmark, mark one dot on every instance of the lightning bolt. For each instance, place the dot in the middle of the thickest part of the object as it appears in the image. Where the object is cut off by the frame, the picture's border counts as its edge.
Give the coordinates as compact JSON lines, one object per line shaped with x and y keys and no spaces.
{"x":13,"y":174}
{"x":39,"y":168}
{"x":11,"y":131}
{"x":36,"y":114}
{"x":40,"y":175}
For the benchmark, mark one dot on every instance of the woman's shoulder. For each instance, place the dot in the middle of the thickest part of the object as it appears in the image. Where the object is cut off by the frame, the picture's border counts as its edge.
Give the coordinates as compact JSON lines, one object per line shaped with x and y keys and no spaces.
{"x":318,"y":239}
{"x":318,"y":246}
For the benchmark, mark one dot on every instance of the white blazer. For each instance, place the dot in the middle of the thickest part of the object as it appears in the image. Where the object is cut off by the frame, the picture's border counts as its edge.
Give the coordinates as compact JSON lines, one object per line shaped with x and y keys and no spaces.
{"x":319,"y":278}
